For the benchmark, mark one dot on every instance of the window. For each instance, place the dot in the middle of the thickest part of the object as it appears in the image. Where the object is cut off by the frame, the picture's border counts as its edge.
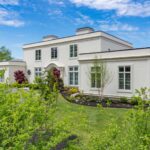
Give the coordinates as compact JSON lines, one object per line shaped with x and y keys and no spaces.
{"x":54,"y":53}
{"x":73,"y":50}
{"x":38,"y":72}
{"x":73,"y":75}
{"x":38,"y":55}
{"x":125,"y":78}
{"x":95,"y":77}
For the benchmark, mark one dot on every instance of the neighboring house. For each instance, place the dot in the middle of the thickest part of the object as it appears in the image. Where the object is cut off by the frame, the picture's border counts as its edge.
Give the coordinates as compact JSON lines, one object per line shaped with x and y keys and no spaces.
{"x":10,"y":67}
{"x":74,"y":55}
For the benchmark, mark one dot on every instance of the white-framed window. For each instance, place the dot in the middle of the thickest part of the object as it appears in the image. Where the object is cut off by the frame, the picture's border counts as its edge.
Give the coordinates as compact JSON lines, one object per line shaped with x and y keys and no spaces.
{"x":38,"y":55}
{"x":73,"y":75}
{"x":54,"y":53}
{"x":95,"y":77}
{"x":38,"y":72}
{"x":124,"y":77}
{"x":73,"y":50}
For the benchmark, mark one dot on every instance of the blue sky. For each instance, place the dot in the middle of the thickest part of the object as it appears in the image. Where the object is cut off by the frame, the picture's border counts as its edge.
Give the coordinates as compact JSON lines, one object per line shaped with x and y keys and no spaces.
{"x":26,"y":21}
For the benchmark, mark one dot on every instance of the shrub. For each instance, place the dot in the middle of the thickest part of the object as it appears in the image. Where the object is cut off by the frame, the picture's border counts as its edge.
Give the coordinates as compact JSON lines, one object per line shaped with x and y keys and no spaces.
{"x":73,"y":90}
{"x":134,"y":100}
{"x":132,"y":133}
{"x":20,"y":77}
{"x":124,"y":99}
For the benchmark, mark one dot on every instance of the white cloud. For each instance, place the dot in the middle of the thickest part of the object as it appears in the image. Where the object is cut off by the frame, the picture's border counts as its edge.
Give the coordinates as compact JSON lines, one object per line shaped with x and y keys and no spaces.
{"x":56,"y":2}
{"x":83,"y":19}
{"x":122,"y":7}
{"x":9,"y":18}
{"x":117,"y":26}
{"x":9,"y":2}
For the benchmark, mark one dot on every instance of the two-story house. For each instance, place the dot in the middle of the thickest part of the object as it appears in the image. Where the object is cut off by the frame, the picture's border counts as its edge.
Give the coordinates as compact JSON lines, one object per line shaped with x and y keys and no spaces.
{"x":74,"y":56}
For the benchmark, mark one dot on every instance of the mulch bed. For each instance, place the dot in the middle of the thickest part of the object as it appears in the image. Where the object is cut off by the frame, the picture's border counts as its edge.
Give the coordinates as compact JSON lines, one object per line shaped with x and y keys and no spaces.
{"x":94,"y":103}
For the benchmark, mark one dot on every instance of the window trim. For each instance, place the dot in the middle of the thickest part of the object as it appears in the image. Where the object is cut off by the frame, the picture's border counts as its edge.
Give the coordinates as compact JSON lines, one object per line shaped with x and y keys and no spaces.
{"x":73,"y":85}
{"x":131,"y":79}
{"x":40,"y":55}
{"x":93,"y":88}
{"x":56,"y":51}
{"x":38,"y":72}
{"x":74,"y":57}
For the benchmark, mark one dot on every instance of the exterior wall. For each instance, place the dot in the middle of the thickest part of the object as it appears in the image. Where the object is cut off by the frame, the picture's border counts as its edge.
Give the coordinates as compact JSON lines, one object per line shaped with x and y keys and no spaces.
{"x":140,"y":76}
{"x":63,"y":55}
{"x":12,"y":69}
{"x":6,"y":75}
{"x":107,"y":44}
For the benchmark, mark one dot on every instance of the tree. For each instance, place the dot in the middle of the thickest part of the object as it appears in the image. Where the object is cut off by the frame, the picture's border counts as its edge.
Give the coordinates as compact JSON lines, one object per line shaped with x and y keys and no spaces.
{"x":20,"y":77}
{"x":100,"y":76}
{"x":5,"y":54}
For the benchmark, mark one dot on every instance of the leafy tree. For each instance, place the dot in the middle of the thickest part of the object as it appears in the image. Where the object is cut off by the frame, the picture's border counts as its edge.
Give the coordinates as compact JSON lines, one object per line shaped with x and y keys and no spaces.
{"x":5,"y":54}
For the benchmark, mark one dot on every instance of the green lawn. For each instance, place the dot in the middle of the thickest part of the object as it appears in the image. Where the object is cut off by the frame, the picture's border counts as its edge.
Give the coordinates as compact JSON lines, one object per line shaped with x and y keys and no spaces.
{"x":97,"y":118}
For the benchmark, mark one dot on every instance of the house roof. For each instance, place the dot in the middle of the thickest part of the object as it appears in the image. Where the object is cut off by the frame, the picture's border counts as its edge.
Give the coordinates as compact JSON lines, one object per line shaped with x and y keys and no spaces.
{"x":117,"y":54}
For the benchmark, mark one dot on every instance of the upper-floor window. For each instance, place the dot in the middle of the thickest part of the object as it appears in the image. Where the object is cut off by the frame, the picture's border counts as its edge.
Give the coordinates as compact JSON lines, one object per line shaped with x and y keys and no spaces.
{"x":38,"y":55}
{"x":73,"y":75}
{"x":73,"y":50}
{"x":124,"y":77}
{"x":54,"y":53}
{"x":38,"y":71}
{"x":95,"y":77}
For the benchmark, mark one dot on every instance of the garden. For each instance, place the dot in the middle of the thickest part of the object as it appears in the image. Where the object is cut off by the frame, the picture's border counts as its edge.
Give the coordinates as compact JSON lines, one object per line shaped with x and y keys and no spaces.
{"x":39,"y":117}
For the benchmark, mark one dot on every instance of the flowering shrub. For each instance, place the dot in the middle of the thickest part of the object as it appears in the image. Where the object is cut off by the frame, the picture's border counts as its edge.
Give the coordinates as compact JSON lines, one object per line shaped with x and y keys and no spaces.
{"x":56,"y":73}
{"x":20,"y":77}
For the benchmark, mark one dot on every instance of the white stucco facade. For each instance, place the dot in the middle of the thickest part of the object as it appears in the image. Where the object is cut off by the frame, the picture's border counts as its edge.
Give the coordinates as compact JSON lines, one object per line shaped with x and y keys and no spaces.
{"x":85,"y":45}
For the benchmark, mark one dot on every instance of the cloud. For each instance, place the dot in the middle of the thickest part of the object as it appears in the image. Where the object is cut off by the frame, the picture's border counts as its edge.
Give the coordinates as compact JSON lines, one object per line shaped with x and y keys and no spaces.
{"x":83,"y":19}
{"x":9,"y":2}
{"x":116,"y":26}
{"x":57,"y":2}
{"x":10,"y":18}
{"x":122,"y":7}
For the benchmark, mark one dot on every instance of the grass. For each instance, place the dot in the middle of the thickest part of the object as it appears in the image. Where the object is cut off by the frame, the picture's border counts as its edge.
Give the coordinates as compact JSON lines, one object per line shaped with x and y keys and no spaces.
{"x":97,"y":118}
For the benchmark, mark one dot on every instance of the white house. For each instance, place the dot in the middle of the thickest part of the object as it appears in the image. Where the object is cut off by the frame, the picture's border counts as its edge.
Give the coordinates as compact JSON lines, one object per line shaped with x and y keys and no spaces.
{"x":74,"y":55}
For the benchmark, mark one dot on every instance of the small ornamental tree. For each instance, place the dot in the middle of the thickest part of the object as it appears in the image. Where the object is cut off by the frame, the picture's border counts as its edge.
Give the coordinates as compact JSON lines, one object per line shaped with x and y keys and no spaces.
{"x":100,"y":76}
{"x":58,"y":80}
{"x":20,"y":77}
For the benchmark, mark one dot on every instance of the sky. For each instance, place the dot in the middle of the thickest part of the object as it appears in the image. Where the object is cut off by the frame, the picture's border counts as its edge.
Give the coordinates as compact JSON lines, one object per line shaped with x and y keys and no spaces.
{"x":27,"y":21}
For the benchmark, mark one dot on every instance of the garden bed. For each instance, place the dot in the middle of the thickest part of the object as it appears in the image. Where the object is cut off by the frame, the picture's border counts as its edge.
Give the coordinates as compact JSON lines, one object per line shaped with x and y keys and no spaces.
{"x":94,"y":101}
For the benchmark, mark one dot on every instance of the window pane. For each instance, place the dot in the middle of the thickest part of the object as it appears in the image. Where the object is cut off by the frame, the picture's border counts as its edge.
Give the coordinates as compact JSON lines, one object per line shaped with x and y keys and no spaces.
{"x":76,"y":78}
{"x":121,"y":84}
{"x":127,"y":81}
{"x":71,"y":78}
{"x":98,"y":80}
{"x":54,"y":52}
{"x":76,"y":68}
{"x":93,"y":83}
{"x":121,"y":69}
{"x":127,"y":68}
{"x":70,"y":68}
